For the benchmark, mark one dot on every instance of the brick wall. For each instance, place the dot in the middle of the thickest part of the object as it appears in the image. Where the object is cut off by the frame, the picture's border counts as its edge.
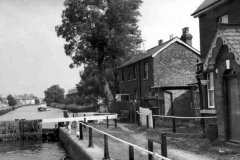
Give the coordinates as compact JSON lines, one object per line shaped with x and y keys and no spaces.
{"x":208,"y":22}
{"x":221,"y":108}
{"x":129,"y":86}
{"x":175,"y":66}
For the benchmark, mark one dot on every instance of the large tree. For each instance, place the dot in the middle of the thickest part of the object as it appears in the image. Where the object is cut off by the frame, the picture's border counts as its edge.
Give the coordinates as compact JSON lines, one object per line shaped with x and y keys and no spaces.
{"x":54,"y":94}
{"x":102,"y":32}
{"x":89,"y":88}
{"x":11,"y":100}
{"x":1,"y":99}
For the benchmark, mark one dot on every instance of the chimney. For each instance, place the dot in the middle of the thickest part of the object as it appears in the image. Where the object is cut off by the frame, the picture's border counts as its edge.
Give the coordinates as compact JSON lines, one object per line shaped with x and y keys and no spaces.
{"x":160,"y":42}
{"x":171,"y":36}
{"x":186,"y":36}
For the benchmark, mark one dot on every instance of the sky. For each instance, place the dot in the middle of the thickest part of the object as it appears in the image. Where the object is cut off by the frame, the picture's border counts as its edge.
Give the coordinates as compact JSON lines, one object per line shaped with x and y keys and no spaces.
{"x":32,"y":57}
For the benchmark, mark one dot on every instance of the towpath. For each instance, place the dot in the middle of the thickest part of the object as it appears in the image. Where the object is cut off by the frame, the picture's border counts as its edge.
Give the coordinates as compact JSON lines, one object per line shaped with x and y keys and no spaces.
{"x":173,"y":153}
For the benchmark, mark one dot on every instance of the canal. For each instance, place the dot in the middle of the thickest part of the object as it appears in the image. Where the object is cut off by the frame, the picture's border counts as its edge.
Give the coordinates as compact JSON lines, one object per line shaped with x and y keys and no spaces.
{"x":31,"y":149}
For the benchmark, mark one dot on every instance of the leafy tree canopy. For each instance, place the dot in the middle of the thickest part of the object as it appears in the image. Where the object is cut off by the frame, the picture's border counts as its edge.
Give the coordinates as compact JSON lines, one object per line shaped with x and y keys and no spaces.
{"x":11,"y":100}
{"x":1,"y":99}
{"x":101,"y":32}
{"x":54,"y":94}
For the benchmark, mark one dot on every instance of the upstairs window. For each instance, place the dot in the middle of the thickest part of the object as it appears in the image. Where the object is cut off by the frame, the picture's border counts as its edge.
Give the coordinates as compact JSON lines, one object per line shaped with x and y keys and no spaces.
{"x":145,"y":74}
{"x":129,"y":76}
{"x":122,"y":75}
{"x":210,"y":87}
{"x":223,"y":19}
{"x":134,"y":72}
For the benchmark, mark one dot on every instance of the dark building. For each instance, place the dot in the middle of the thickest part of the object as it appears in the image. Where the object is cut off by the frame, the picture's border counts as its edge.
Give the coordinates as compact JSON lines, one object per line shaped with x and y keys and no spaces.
{"x":169,"y":65}
{"x":72,"y":93}
{"x":220,"y":50}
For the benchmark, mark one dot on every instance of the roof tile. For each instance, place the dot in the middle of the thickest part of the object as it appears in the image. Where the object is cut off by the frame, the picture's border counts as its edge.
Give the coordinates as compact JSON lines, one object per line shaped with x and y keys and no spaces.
{"x":149,"y":53}
{"x":206,"y":4}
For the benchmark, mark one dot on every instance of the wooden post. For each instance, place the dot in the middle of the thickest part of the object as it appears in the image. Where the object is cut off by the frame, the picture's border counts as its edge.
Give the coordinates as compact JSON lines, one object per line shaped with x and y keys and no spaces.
{"x":174,"y":125}
{"x":153,"y":118}
{"x":134,"y":111}
{"x":154,"y":136}
{"x":147,"y":121}
{"x":139,"y":119}
{"x":203,"y":123}
{"x":22,"y":129}
{"x":106,"y":152}
{"x":90,"y":138}
{"x":81,"y":131}
{"x":150,"y":148}
{"x":107,"y":122}
{"x":130,"y":112}
{"x":115,"y":122}
{"x":84,"y":122}
{"x":131,"y":152}
{"x":164,"y":145}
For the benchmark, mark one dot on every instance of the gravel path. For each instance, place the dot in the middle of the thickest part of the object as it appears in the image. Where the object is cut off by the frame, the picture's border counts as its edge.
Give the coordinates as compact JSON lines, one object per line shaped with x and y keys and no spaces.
{"x":174,"y":154}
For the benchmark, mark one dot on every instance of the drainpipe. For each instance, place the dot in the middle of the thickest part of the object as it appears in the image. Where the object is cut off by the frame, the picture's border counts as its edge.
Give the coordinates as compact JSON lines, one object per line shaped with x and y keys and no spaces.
{"x":140,"y":87}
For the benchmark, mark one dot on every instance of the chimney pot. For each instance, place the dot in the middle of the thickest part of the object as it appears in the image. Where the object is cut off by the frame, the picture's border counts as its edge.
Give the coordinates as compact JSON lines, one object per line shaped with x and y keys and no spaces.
{"x":185,"y":30}
{"x":186,"y":36}
{"x":160,"y":42}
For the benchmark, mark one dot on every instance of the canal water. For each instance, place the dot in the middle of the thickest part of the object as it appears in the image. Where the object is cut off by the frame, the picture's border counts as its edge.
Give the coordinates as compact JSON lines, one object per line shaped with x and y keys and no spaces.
{"x":31,"y":149}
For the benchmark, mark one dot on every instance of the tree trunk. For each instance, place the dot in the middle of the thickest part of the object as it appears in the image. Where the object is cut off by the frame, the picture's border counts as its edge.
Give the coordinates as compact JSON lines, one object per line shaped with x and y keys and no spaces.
{"x":104,"y":84}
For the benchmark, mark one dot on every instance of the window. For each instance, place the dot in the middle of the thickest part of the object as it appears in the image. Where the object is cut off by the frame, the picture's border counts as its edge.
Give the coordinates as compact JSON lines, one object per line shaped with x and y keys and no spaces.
{"x":223,"y":19}
{"x":210,"y":87}
{"x":122,"y":75}
{"x":134,"y":72}
{"x":145,"y":75}
{"x":129,"y":76}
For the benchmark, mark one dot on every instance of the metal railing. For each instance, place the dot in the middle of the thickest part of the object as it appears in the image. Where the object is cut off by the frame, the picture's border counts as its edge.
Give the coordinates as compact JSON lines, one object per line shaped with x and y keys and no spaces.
{"x":106,"y":150}
{"x":176,"y":117}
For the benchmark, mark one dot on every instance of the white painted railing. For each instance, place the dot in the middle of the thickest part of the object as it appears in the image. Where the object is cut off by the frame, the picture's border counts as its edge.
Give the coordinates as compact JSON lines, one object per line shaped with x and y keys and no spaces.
{"x":87,"y":118}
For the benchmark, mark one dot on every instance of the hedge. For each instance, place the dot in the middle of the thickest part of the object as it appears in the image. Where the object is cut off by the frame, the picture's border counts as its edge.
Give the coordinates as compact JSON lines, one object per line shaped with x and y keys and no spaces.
{"x":74,"y":108}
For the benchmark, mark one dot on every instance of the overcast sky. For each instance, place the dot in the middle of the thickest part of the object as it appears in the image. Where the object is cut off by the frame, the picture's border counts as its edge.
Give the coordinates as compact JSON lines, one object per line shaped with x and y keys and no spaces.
{"x":32,"y":57}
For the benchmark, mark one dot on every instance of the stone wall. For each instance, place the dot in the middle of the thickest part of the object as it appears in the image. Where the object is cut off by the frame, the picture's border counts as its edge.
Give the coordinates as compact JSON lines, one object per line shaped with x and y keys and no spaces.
{"x":78,"y":149}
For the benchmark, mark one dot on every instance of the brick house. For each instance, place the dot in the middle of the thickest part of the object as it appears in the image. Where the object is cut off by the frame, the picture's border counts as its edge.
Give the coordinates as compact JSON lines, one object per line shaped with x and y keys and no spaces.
{"x":167,"y":66}
{"x":219,"y":22}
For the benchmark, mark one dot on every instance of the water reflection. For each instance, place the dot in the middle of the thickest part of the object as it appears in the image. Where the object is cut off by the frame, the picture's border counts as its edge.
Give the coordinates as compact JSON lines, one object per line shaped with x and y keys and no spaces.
{"x":31,"y":150}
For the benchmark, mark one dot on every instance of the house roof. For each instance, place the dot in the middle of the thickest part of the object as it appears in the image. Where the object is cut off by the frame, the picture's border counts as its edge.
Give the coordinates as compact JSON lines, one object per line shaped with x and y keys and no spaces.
{"x":17,"y":97}
{"x":207,"y":4}
{"x":229,"y":35}
{"x":141,"y":56}
{"x":25,"y":97}
{"x":155,"y":50}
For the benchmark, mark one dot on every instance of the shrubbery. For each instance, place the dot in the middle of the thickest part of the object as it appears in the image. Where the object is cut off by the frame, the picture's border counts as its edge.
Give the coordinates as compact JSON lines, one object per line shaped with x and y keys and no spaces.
{"x":74,"y":108}
{"x":11,"y":100}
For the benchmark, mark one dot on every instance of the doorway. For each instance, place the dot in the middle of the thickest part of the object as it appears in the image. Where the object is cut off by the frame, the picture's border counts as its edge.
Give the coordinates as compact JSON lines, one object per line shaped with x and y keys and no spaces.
{"x":232,"y":102}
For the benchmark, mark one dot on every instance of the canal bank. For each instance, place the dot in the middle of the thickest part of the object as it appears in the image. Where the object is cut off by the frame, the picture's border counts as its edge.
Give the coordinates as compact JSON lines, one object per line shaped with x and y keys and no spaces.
{"x":78,"y":149}
{"x":9,"y":109}
{"x":32,"y":149}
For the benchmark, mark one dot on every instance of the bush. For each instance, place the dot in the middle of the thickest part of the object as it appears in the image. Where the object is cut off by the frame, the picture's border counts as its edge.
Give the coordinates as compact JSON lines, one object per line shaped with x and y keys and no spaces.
{"x":11,"y":100}
{"x":75,"y":108}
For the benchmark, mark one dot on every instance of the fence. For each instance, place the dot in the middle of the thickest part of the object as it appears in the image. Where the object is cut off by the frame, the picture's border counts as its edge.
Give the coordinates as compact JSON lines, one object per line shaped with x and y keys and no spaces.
{"x":131,"y":146}
{"x":131,"y":107}
{"x":148,"y":118}
{"x":174,"y":120}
